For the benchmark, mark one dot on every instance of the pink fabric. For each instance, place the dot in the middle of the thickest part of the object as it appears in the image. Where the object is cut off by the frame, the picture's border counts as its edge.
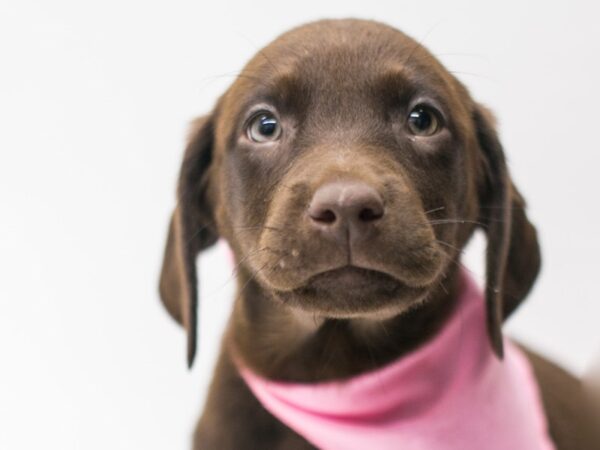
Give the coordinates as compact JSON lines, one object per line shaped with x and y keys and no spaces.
{"x":451,"y":393}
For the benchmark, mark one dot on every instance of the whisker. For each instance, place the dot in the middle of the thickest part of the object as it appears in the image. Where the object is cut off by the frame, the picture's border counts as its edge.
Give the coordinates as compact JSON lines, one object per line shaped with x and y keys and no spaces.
{"x":264,"y":266}
{"x":441,"y":284}
{"x":419,"y":42}
{"x":235,"y":271}
{"x":460,"y":265}
{"x":252,"y":278}
{"x":441,"y":208}
{"x":456,"y":221}
{"x":463,"y":54}
{"x":244,"y":228}
{"x":258,"y":227}
{"x":478,"y":75}
{"x":513,"y":207}
{"x":233,"y":74}
{"x":197,"y":232}
{"x":244,"y":258}
{"x":449,"y":245}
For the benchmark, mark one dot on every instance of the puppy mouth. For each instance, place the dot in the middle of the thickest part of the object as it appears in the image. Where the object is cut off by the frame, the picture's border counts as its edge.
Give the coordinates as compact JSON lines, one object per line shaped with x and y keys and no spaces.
{"x":353,"y":278}
{"x":352,"y":292}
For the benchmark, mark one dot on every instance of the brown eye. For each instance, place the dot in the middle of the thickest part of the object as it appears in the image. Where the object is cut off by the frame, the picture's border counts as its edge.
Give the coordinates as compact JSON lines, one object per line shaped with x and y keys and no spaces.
{"x":264,"y":127}
{"x":423,"y":121}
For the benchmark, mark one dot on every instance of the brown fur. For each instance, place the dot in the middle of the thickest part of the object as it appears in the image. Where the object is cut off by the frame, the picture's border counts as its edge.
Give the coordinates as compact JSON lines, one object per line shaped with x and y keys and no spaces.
{"x":342,"y":90}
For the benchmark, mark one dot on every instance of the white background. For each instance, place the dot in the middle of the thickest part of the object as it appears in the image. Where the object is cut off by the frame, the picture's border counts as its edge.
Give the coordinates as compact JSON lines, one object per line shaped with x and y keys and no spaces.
{"x":95,"y":98}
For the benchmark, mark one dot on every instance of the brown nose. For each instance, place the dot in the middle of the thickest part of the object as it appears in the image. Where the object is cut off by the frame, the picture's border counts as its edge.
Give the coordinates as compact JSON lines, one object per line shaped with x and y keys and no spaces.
{"x":345,"y":206}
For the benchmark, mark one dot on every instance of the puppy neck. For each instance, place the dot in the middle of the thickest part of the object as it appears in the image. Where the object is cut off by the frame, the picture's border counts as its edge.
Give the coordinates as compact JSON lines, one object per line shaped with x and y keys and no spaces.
{"x":279,"y":343}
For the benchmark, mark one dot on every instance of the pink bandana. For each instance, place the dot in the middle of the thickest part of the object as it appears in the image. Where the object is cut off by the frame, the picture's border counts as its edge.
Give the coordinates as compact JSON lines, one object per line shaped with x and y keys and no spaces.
{"x":451,"y":393}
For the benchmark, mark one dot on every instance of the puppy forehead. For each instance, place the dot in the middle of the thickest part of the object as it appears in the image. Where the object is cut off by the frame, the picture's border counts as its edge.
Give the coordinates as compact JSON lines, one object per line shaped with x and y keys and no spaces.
{"x":348,"y":72}
{"x":338,"y":56}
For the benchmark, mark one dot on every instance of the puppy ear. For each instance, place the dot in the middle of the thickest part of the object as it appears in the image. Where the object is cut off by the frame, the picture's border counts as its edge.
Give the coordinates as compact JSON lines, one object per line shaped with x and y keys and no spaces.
{"x":190,"y":231}
{"x":513,"y":253}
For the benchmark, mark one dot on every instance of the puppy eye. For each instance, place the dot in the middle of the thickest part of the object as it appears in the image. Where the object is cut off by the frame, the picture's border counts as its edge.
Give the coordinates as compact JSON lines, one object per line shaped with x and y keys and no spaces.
{"x":423,"y":121}
{"x":264,"y":127}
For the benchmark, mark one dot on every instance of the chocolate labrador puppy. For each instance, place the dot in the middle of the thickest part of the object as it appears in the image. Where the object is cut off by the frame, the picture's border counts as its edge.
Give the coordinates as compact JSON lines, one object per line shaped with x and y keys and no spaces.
{"x":347,"y":168}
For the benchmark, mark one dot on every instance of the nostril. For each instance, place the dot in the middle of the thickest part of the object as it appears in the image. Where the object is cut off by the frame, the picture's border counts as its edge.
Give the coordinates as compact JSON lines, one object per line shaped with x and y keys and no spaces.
{"x":326,"y":216}
{"x":370,"y":214}
{"x":343,"y":204}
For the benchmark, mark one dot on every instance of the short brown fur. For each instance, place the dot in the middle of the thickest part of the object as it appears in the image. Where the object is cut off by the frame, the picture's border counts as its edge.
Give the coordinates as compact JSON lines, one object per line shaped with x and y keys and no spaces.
{"x":342,"y":90}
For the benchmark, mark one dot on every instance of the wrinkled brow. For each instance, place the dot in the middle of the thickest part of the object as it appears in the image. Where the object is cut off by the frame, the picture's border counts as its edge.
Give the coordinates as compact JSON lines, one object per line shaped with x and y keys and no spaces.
{"x":284,"y":89}
{"x":290,"y":90}
{"x":402,"y":84}
{"x":394,"y":84}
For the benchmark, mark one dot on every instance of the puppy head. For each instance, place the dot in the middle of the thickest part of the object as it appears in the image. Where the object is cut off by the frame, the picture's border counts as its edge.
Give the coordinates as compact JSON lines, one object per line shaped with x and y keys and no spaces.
{"x":347,"y":168}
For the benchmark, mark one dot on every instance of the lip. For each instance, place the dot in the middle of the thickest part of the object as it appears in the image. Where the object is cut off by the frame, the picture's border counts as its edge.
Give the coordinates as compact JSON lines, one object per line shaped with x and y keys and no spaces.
{"x":353,"y":278}
{"x":352,"y":292}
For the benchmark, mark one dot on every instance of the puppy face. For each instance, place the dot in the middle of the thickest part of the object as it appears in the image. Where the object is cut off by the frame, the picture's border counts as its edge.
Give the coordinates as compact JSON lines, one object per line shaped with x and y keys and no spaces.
{"x":337,"y":153}
{"x":347,"y":168}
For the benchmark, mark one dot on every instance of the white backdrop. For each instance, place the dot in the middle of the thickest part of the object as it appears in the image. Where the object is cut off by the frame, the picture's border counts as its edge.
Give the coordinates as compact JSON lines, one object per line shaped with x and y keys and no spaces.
{"x":95,"y":98}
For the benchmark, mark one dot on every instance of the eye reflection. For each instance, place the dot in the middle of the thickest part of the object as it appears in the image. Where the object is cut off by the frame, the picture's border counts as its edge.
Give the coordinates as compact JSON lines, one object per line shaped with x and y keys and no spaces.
{"x":423,"y":121}
{"x":264,"y":127}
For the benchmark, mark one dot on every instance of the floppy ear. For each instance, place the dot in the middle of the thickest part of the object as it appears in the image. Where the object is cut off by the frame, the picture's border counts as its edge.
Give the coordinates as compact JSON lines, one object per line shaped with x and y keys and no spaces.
{"x":513,"y":254}
{"x":190,"y":231}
